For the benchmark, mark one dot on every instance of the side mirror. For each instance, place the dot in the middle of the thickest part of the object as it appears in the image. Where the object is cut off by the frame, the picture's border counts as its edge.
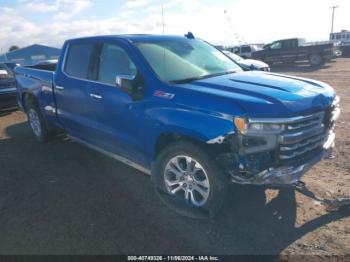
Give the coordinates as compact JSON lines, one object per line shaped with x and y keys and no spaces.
{"x":130,"y":84}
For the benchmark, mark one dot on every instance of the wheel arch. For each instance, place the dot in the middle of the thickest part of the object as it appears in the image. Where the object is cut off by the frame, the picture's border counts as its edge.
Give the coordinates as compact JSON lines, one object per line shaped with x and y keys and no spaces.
{"x":26,"y":98}
{"x":213,"y":146}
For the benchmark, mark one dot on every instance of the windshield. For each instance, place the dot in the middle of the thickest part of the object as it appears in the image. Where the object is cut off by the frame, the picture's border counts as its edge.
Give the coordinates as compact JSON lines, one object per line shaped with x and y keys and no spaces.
{"x":186,"y":60}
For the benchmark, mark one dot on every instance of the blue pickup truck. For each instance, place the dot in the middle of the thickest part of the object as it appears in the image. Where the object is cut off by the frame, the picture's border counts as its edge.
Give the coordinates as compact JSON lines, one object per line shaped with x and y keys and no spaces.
{"x":176,"y":108}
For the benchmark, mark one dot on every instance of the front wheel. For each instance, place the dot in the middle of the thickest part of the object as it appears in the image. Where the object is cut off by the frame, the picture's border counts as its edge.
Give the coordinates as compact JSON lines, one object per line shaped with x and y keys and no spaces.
{"x":189,"y":181}
{"x":315,"y":60}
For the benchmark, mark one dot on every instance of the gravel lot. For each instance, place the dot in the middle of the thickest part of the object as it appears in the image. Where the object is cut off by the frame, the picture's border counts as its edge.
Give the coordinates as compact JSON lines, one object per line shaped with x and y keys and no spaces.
{"x":63,"y":198}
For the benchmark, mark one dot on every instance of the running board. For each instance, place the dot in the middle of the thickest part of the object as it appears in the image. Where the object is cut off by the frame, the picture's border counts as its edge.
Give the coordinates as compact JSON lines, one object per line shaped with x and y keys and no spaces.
{"x":112,"y":155}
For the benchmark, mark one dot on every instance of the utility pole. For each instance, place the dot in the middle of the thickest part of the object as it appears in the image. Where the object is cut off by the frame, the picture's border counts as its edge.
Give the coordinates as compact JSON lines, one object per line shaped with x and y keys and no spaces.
{"x":238,"y":38}
{"x":333,"y":7}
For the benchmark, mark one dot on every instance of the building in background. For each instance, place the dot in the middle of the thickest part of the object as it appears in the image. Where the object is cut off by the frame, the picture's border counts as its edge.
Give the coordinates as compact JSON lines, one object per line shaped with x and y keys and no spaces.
{"x":342,"y":36}
{"x":31,"y":55}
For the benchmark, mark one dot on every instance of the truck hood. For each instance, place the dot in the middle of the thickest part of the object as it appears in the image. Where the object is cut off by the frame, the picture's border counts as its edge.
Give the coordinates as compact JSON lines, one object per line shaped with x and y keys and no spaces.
{"x":262,"y":94}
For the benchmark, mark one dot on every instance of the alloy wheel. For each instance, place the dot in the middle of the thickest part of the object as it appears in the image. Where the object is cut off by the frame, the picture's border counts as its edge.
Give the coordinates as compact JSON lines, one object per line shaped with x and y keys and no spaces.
{"x":185,"y":177}
{"x":34,"y":122}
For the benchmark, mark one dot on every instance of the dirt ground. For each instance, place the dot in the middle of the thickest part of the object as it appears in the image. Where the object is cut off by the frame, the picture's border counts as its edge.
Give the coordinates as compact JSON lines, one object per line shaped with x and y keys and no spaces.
{"x":330,"y":178}
{"x":63,"y":198}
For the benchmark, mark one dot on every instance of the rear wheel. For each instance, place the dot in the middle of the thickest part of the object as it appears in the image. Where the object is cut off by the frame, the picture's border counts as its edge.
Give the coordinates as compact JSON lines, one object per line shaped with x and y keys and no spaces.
{"x":37,"y":123}
{"x":189,"y":181}
{"x":315,"y":60}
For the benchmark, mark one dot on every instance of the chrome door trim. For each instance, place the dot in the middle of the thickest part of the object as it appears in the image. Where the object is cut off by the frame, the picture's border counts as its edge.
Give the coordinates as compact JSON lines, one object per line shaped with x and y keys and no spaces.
{"x":112,"y":155}
{"x":95,"y":96}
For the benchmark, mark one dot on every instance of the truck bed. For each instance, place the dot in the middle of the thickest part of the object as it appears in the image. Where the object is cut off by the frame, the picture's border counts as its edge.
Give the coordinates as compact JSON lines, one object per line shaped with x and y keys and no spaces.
{"x":32,"y":80}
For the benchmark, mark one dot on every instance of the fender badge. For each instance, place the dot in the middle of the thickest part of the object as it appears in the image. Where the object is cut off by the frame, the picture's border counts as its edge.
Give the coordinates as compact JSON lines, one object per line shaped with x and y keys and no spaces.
{"x":164,"y":95}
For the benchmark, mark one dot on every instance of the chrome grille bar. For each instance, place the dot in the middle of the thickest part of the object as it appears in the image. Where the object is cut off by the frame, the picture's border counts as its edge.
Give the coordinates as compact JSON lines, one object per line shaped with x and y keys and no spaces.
{"x":302,"y":135}
{"x":303,"y":143}
{"x":302,"y":149}
{"x":294,"y":137}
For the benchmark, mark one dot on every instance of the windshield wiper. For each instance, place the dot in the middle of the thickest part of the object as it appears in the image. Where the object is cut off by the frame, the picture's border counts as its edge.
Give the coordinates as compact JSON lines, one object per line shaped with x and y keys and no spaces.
{"x":190,"y":79}
{"x":187,"y":80}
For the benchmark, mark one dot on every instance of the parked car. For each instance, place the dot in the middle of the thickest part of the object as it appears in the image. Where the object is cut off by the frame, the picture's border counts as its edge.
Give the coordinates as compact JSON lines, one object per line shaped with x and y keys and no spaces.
{"x":345,"y":49}
{"x":178,"y":109}
{"x":8,"y":94}
{"x":11,"y":66}
{"x":245,"y":51}
{"x":296,"y":49}
{"x":247,"y":64}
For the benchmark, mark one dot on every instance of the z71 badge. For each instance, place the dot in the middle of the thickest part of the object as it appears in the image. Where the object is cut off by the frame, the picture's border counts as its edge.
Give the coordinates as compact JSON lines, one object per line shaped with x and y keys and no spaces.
{"x":164,"y":95}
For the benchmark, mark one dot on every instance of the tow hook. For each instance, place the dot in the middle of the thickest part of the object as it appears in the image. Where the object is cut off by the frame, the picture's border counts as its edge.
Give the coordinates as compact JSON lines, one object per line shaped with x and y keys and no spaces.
{"x":330,"y":204}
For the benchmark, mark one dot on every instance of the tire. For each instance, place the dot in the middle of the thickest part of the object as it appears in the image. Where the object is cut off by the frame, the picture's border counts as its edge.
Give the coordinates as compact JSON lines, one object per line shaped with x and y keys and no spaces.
{"x":37,"y":122}
{"x":315,"y":60}
{"x":202,"y":181}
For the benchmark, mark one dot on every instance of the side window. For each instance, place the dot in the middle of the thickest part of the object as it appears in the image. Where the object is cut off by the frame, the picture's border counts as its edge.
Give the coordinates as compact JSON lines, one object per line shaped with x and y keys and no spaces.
{"x":289,"y":44}
{"x":77,"y":61}
{"x":114,"y":61}
{"x":245,"y":49}
{"x":286,"y":44}
{"x":276,"y":45}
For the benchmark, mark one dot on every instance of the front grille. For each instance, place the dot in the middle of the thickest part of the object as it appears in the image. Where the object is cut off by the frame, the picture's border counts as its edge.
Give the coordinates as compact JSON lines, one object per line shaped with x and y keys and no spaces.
{"x":302,"y":136}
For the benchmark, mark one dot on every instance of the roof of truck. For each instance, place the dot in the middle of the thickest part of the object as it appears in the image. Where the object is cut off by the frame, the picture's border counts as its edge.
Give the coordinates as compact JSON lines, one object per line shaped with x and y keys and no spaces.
{"x":133,"y":37}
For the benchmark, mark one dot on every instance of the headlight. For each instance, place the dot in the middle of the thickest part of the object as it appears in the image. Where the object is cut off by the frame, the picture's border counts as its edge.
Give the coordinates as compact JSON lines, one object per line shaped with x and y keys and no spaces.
{"x":266,"y":69}
{"x":265,"y":127}
{"x":245,"y":127}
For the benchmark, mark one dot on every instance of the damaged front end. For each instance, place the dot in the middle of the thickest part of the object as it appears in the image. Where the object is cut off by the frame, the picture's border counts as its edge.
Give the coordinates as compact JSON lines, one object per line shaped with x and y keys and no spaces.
{"x":279,"y":151}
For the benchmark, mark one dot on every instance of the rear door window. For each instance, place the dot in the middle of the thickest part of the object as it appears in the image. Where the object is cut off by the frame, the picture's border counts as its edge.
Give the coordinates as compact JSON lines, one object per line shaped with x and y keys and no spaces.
{"x":78,"y":60}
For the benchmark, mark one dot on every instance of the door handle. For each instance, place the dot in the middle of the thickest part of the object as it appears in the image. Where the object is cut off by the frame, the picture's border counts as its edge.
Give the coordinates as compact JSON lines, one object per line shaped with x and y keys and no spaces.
{"x":60,"y":88}
{"x":95,"y":96}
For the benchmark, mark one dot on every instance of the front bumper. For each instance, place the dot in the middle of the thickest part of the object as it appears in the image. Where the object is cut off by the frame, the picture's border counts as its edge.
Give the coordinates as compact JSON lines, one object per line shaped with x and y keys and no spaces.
{"x":288,"y":174}
{"x":283,"y":158}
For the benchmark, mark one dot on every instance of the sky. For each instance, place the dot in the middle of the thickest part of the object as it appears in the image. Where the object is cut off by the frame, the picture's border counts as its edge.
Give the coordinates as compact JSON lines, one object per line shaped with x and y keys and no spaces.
{"x":50,"y":22}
